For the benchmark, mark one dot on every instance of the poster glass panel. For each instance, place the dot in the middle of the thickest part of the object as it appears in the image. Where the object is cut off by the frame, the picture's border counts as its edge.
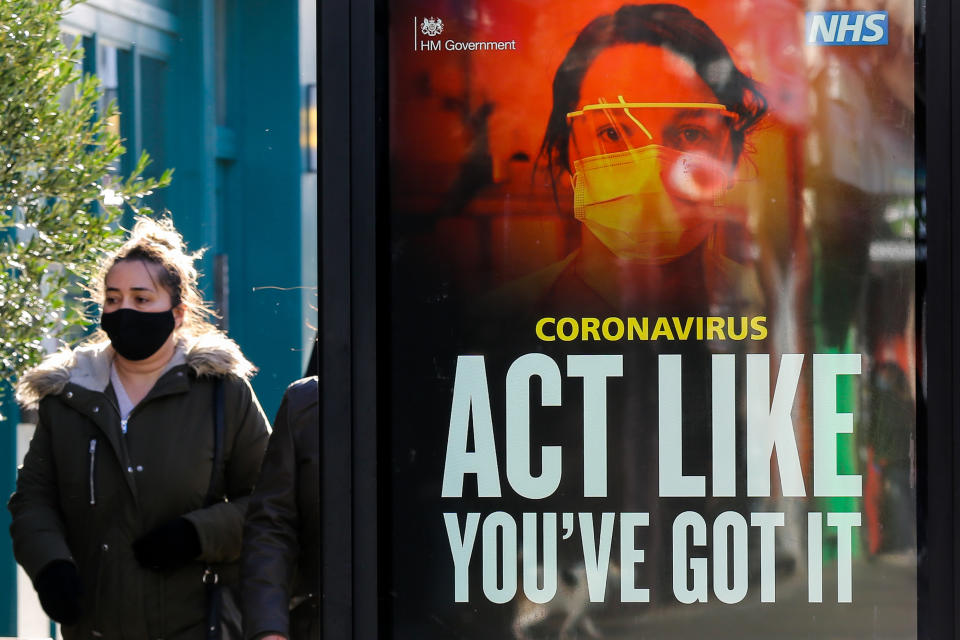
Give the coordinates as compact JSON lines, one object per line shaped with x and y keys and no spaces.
{"x":653,"y":357}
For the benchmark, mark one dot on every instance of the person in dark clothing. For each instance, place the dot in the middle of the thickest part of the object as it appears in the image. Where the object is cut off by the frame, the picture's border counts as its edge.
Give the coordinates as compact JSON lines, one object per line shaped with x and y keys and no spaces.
{"x":108,"y":518}
{"x":280,"y":562}
{"x":313,"y":366}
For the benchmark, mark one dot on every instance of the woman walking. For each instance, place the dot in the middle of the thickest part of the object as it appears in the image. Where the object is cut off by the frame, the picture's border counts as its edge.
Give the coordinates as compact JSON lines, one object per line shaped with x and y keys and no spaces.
{"x":111,"y":516}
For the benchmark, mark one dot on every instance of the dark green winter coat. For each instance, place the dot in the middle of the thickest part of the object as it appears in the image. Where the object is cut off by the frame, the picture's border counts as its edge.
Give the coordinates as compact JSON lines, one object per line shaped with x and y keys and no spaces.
{"x":85,"y":491}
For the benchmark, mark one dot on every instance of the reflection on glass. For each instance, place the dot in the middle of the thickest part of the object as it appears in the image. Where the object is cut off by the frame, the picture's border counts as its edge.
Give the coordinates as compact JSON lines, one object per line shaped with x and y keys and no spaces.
{"x":108,"y":74}
{"x":310,"y":133}
{"x":109,"y":83}
{"x":68,"y":92}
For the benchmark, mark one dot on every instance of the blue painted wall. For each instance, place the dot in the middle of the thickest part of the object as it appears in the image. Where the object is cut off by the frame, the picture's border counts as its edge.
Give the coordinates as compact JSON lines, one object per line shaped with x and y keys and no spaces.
{"x":236,"y":186}
{"x":262,"y":192}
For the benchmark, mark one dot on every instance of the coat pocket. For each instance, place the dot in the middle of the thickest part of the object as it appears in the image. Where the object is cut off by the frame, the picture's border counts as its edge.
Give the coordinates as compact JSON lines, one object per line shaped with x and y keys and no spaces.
{"x":99,"y":594}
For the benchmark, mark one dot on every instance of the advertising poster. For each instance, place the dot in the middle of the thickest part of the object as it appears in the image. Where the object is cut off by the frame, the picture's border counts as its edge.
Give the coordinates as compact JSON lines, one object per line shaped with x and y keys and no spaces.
{"x":652,"y":330}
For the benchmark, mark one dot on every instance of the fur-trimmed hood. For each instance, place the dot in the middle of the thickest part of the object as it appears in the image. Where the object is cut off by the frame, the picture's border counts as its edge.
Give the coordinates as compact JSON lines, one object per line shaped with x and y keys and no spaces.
{"x":88,"y":366}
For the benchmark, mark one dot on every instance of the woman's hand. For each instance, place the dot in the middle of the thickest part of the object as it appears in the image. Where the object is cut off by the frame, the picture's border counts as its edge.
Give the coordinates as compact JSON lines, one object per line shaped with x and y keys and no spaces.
{"x":58,"y":585}
{"x":169,"y":546}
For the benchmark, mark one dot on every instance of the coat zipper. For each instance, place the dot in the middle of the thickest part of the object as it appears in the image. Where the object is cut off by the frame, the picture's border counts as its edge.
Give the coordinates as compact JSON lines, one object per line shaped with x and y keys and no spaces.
{"x":124,"y":454}
{"x":93,"y":459}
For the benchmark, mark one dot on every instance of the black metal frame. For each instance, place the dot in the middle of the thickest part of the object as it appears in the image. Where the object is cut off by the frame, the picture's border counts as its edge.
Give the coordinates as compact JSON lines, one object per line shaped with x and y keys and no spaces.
{"x":938,"y":445}
{"x":354,"y":281}
{"x":352,"y":90}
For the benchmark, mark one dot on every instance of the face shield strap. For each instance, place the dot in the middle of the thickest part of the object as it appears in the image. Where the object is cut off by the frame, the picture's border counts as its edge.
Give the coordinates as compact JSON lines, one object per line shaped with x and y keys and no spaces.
{"x":623,"y":104}
{"x":626,"y":110}
{"x":607,"y":128}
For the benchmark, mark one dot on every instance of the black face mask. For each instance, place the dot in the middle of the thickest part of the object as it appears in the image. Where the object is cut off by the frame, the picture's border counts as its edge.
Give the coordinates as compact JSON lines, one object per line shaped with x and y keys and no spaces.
{"x":137,"y":335}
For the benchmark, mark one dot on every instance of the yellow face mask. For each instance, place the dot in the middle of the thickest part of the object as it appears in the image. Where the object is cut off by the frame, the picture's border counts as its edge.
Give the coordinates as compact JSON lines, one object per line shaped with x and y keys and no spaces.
{"x":650,"y":204}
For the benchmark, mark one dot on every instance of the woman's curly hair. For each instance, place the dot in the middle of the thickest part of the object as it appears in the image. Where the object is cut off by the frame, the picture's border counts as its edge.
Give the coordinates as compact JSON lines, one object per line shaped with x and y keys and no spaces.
{"x":157,"y":242}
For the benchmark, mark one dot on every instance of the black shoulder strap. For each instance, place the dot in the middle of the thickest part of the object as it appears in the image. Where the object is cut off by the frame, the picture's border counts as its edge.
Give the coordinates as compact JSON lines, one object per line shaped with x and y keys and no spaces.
{"x":210,"y":576}
{"x":217,"y":467}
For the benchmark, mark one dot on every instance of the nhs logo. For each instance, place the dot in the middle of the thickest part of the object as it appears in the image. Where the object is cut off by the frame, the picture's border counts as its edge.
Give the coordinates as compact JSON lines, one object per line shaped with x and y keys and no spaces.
{"x":847,"y":28}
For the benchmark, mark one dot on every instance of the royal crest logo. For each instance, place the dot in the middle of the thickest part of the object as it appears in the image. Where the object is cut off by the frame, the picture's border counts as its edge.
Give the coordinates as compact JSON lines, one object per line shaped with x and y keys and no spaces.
{"x":431,"y":27}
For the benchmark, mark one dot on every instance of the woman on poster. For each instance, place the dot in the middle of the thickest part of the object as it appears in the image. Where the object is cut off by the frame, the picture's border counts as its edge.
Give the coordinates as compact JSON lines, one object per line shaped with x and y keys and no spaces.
{"x":649,"y":122}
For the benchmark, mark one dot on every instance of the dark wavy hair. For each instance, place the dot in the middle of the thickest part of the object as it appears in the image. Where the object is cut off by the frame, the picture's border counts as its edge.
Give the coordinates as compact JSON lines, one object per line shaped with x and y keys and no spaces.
{"x":661,"y":25}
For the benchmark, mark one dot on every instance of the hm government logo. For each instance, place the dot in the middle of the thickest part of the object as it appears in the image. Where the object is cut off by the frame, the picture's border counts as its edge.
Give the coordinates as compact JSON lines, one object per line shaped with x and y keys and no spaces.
{"x":433,"y":27}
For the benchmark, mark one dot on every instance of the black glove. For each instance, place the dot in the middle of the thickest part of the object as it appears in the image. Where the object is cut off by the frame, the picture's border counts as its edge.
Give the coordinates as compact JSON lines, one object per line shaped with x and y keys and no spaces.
{"x":58,"y":585}
{"x":169,"y":546}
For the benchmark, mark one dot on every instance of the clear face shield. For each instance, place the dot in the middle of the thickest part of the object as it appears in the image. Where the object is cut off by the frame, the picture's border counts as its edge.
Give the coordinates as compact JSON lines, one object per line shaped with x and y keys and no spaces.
{"x":650,"y":178}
